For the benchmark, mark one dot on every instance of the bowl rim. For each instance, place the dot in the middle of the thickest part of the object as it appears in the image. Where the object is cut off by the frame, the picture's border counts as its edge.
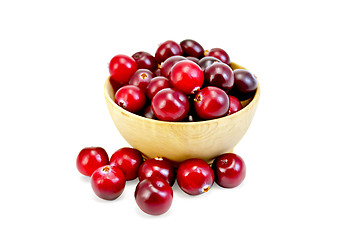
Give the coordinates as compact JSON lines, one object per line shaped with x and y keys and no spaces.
{"x":251,"y":104}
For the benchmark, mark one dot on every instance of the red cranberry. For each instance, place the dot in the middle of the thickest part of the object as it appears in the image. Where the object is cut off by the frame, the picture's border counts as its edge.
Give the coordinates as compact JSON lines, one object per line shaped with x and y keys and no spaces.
{"x":90,"y":159}
{"x":121,"y":68}
{"x":194,"y":59}
{"x":157,"y":167}
{"x":211,"y":102}
{"x":235,"y":105}
{"x":245,"y":83}
{"x":155,"y":85}
{"x":157,"y":72}
{"x":170,"y":105}
{"x":108,"y":182}
{"x":141,"y":78}
{"x":195,"y":176}
{"x":128,"y":160}
{"x":169,"y":63}
{"x":145,"y":60}
{"x":219,"y":75}
{"x":229,"y":169}
{"x":186,"y":76}
{"x":154,"y":196}
{"x":166,"y":50}
{"x":148,"y":113}
{"x":192,"y":48}
{"x":206,"y":62}
{"x":131,"y":98}
{"x":220,"y":54}
{"x":192,"y":116}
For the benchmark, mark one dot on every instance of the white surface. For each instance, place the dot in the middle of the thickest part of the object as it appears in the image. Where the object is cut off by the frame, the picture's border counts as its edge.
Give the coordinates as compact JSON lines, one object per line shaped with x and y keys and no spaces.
{"x":301,"y":150}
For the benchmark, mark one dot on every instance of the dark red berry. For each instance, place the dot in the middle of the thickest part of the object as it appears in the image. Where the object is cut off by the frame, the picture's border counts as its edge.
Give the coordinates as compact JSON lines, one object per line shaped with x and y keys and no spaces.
{"x":187,"y":77}
{"x":235,"y":105}
{"x":91,"y":158}
{"x":148,"y":113}
{"x":157,"y":72}
{"x":169,"y":63}
{"x":156,"y":84}
{"x":219,"y":75}
{"x":194,"y":59}
{"x":245,"y":84}
{"x":145,"y":60}
{"x":128,"y":160}
{"x":192,"y":48}
{"x":121,"y":68}
{"x":206,"y":62}
{"x":153,"y":196}
{"x":108,"y":182}
{"x":211,"y":102}
{"x":166,"y":50}
{"x":219,"y":54}
{"x":170,"y":105}
{"x":195,"y":176}
{"x":229,"y":169}
{"x":141,"y":78}
{"x":131,"y":98}
{"x":192,"y":116}
{"x":157,"y":167}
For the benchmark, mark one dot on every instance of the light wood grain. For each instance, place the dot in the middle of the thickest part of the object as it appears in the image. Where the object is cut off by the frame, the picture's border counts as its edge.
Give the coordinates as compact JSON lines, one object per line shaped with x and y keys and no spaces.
{"x":179,"y":141}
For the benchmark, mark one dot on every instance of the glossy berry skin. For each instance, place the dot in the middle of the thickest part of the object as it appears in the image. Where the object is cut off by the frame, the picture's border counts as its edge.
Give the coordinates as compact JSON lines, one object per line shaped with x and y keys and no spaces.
{"x":192,"y":116}
{"x":195,"y":176}
{"x":157,"y":72}
{"x":206,"y":62}
{"x":229,"y":169}
{"x":121,"y":68}
{"x":235,"y":105}
{"x":128,"y":160}
{"x":131,"y":98}
{"x":194,"y":59}
{"x":157,"y":167}
{"x":211,"y":102}
{"x":148,"y":113}
{"x":141,"y":78}
{"x":145,"y":60}
{"x":219,"y":75}
{"x":91,"y":158}
{"x":108,"y":182}
{"x":192,"y":48}
{"x":166,"y":50}
{"x":170,"y":105}
{"x":219,"y":54}
{"x":187,"y":77}
{"x":245,"y":83}
{"x":169,"y":63}
{"x":153,"y":196}
{"x":156,"y":84}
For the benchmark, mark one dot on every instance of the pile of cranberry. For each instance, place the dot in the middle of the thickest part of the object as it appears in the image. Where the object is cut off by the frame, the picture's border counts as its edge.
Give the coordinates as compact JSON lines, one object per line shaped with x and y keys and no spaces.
{"x":156,"y":176}
{"x":182,"y":82}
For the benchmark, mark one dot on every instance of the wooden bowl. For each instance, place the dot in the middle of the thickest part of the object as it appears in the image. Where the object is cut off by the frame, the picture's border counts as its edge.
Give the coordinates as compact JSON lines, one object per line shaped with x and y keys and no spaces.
{"x":179,"y":141}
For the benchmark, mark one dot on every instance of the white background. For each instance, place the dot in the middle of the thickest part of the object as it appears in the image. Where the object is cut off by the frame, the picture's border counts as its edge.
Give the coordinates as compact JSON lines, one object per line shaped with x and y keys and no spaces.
{"x":301,"y":151}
